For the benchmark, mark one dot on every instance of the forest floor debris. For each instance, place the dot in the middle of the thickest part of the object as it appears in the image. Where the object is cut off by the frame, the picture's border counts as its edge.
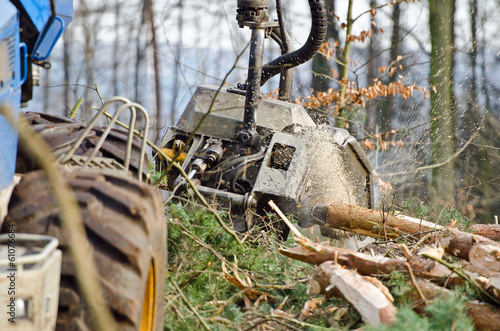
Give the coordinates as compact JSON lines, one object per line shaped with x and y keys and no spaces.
{"x":446,"y":280}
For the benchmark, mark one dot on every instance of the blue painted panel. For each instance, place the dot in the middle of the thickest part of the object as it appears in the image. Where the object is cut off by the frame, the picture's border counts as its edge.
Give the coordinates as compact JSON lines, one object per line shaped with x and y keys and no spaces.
{"x":62,"y":16}
{"x":39,"y":12}
{"x":10,"y":91}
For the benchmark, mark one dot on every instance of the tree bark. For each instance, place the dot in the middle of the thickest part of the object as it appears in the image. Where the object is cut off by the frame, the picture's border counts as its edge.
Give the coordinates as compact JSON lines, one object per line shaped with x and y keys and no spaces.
{"x":484,"y":316}
{"x":481,"y":252}
{"x":377,"y":224}
{"x":159,"y":124}
{"x":344,"y":61}
{"x":390,"y":103}
{"x":378,"y":266}
{"x":442,"y":113}
{"x":367,"y":265}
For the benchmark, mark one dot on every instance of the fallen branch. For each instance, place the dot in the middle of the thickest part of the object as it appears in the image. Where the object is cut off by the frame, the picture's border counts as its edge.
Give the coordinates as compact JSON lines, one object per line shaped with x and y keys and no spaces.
{"x":440,"y":272}
{"x":365,"y":264}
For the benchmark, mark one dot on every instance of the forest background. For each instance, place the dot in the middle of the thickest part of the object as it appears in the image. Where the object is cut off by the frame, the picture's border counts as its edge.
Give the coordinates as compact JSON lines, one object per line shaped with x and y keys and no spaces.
{"x":417,"y":83}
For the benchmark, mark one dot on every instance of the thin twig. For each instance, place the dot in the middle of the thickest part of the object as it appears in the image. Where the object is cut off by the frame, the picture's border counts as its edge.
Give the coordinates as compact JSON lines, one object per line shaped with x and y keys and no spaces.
{"x":295,"y":231}
{"x":195,"y":312}
{"x":228,"y":301}
{"x":73,"y":112}
{"x":415,"y":284}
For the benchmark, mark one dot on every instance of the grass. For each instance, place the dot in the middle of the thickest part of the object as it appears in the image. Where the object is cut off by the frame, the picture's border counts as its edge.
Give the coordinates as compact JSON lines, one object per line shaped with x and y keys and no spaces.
{"x":197,"y":249}
{"x":199,"y":297}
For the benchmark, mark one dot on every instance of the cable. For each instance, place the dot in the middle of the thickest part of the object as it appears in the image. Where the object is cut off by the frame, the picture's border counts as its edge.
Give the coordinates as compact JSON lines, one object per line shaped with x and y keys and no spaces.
{"x":307,"y":51}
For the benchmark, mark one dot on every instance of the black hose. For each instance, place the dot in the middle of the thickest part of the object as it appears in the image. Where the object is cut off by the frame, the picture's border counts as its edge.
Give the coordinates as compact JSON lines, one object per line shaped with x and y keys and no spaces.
{"x":307,"y":51}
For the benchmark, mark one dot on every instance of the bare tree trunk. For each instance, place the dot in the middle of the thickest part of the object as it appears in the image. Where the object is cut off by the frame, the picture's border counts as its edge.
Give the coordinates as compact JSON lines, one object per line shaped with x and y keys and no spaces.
{"x":116,"y":49}
{"x":159,"y":123}
{"x":441,"y":22}
{"x":485,"y":159}
{"x":178,"y":51}
{"x":390,"y":103}
{"x":139,"y":59}
{"x":345,"y":67}
{"x":371,"y":73}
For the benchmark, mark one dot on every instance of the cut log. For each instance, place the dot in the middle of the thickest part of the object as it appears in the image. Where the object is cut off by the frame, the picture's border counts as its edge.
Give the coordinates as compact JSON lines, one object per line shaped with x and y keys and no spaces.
{"x":482,"y":252}
{"x":484,"y":316}
{"x":490,"y":231}
{"x":369,"y":300}
{"x":377,"y":224}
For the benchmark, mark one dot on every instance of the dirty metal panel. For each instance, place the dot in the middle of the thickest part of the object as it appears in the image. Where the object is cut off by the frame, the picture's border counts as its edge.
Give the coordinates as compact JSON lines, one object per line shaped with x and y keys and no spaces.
{"x":227,"y":113}
{"x":273,"y":179}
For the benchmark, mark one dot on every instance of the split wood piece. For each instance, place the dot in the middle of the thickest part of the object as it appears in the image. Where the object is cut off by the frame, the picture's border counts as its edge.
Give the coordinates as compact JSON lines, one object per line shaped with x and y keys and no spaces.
{"x":377,"y":266}
{"x":484,"y":316}
{"x":368,"y":265}
{"x":482,"y":252}
{"x":367,"y":298}
{"x":377,"y":224}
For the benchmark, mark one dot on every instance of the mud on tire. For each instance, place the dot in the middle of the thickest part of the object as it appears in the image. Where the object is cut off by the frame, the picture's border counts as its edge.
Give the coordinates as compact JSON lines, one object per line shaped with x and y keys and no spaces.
{"x":124,"y":222}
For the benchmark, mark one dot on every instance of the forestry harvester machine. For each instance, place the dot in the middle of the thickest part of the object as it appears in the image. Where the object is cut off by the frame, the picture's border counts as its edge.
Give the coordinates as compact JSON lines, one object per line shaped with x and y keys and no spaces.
{"x":242,"y":148}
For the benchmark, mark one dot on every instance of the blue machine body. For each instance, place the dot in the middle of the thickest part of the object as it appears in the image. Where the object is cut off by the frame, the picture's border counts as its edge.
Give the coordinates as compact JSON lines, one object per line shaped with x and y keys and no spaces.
{"x":39,"y":23}
{"x":50,"y":19}
{"x":10,"y":88}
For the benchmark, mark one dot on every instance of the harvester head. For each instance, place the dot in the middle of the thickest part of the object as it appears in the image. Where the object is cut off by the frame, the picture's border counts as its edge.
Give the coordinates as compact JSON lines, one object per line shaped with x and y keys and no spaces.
{"x":243,"y":149}
{"x":298,"y":164}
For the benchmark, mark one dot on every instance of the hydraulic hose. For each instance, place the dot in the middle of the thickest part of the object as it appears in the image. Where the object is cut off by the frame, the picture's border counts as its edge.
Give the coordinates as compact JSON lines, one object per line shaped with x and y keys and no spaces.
{"x":307,"y":51}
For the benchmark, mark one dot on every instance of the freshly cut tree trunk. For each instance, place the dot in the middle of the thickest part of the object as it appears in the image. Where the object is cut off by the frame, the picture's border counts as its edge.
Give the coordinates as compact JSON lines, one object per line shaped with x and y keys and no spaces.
{"x":368,"y":298}
{"x":375,"y":223}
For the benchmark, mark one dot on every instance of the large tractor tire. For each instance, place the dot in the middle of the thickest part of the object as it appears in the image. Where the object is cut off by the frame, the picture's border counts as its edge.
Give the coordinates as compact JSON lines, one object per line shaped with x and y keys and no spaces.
{"x":125,"y":225}
{"x":61,"y":132}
